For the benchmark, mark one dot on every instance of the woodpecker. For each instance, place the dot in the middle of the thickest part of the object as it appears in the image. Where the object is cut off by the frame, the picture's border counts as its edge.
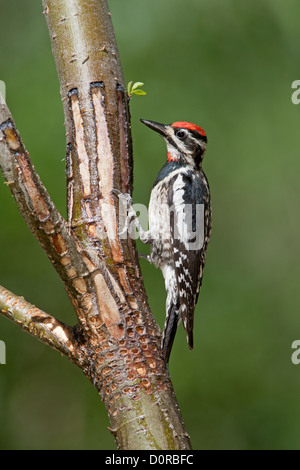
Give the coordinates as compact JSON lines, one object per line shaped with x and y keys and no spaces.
{"x":179,"y":218}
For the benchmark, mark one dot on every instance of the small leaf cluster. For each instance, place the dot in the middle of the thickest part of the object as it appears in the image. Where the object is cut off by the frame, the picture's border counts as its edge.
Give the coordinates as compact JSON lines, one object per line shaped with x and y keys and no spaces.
{"x":134,"y":89}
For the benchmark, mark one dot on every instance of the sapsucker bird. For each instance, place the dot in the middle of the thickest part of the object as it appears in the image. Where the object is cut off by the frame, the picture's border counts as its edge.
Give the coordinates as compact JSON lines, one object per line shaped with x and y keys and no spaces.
{"x":179,"y":224}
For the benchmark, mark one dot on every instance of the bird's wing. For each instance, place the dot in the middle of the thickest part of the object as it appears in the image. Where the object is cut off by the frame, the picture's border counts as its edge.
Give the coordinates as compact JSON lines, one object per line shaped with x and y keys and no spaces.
{"x":189,"y":220}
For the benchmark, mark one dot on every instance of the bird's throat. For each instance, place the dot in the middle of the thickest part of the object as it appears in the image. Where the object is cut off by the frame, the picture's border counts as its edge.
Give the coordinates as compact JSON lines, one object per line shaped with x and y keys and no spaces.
{"x":172,"y":154}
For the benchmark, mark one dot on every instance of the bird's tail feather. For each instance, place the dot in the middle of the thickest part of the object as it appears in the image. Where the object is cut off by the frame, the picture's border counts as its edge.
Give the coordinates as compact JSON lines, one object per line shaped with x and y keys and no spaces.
{"x":170,"y":329}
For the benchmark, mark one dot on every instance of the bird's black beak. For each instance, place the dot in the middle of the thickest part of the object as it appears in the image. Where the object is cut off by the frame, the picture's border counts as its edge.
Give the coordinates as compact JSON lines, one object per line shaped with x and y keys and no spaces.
{"x":156,"y":126}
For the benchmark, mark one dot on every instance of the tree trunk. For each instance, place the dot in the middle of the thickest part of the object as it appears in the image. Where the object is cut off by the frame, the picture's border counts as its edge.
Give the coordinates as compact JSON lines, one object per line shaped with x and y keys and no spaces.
{"x":116,"y":341}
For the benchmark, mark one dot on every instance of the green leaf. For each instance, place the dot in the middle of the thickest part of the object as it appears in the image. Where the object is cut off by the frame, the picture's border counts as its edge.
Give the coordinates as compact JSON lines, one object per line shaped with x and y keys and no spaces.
{"x":129,"y":88}
{"x":139,"y":92}
{"x":137,"y":84}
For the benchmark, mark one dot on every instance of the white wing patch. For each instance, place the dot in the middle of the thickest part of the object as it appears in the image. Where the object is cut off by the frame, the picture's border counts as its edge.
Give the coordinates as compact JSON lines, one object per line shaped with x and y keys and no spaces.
{"x":181,"y":231}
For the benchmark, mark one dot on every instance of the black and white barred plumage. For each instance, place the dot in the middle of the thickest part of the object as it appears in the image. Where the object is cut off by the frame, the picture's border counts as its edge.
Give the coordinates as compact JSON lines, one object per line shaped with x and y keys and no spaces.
{"x":179,"y":225}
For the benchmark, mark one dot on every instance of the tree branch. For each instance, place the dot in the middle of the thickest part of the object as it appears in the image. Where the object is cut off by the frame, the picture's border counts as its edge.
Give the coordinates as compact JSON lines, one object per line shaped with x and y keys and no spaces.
{"x":36,"y":322}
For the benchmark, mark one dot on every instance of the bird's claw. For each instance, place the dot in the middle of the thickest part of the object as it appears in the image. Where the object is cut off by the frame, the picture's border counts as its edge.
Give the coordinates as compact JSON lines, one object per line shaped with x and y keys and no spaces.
{"x":146,"y":257}
{"x":124,"y":197}
{"x":126,"y":202}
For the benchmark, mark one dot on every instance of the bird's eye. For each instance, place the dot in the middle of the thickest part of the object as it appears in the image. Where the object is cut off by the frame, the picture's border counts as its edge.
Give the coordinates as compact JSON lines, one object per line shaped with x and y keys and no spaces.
{"x":181,"y":134}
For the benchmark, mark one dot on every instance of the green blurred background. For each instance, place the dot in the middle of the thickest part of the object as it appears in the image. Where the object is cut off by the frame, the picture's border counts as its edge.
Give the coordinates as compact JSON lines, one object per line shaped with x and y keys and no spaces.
{"x":228,"y":66}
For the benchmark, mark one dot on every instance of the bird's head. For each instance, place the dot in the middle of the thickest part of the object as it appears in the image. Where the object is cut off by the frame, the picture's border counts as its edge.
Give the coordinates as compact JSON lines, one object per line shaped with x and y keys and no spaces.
{"x":186,"y":142}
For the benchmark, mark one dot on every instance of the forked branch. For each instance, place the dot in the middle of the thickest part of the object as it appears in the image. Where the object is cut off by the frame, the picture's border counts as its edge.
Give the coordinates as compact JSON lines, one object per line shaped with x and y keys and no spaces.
{"x":116,"y":342}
